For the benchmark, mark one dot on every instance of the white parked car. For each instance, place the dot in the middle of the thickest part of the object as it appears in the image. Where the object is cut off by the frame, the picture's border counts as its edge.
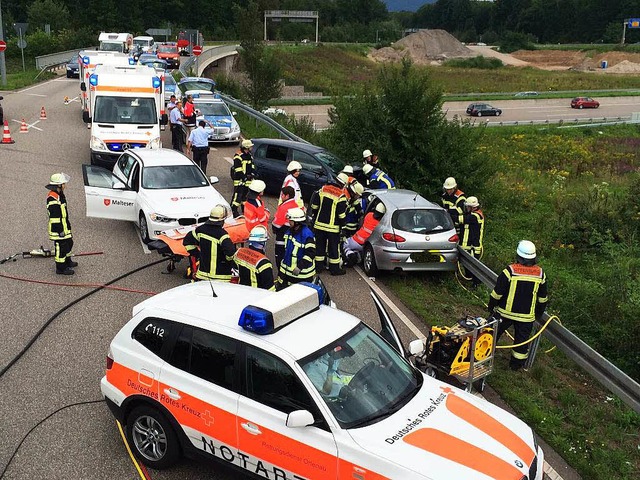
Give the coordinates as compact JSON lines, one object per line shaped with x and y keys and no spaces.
{"x":273,"y":111}
{"x":285,"y":387}
{"x":156,"y":189}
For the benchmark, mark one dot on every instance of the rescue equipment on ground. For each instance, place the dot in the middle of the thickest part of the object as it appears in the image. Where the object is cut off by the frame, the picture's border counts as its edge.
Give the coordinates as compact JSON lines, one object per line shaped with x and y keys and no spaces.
{"x":464,"y":351}
{"x":6,"y":134}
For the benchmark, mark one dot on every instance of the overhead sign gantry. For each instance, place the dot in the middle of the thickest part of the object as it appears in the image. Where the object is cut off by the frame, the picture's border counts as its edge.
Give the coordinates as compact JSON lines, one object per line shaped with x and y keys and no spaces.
{"x":295,"y":15}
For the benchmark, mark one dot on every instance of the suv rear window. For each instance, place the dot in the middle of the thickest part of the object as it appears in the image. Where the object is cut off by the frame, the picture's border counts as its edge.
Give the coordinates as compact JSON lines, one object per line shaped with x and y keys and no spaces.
{"x":153,"y":333}
{"x":421,"y":220}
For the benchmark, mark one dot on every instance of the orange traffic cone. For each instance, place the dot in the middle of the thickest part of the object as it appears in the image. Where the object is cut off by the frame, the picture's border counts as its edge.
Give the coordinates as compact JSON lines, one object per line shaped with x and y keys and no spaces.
{"x":23,"y":127}
{"x":6,"y":135}
{"x":43,"y":114}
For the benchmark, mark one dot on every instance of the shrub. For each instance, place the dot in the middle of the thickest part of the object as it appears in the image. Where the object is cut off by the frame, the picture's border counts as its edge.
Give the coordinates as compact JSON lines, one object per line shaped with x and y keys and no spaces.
{"x":512,"y":41}
{"x":475,"y":62}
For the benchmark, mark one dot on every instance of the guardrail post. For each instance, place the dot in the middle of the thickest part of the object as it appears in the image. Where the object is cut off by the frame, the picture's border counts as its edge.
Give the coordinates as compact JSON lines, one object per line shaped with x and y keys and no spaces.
{"x":533,"y":349}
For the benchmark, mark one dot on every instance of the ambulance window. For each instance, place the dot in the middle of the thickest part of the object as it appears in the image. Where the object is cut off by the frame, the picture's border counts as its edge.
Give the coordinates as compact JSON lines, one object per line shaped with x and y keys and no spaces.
{"x":153,"y":333}
{"x":213,"y":357}
{"x":182,"y":349}
{"x":271,"y":382}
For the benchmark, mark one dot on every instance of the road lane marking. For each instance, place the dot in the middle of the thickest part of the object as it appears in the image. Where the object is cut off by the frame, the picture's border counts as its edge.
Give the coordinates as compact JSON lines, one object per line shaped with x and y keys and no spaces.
{"x":229,"y":159}
{"x":29,"y":125}
{"x":37,"y":95}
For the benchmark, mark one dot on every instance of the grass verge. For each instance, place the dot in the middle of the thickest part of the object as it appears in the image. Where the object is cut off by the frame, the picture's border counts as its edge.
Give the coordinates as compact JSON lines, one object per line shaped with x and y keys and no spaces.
{"x":18,"y":80}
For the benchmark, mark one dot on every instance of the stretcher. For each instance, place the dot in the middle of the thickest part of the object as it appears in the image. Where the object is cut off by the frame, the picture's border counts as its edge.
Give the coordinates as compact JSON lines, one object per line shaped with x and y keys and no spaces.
{"x":169,"y":242}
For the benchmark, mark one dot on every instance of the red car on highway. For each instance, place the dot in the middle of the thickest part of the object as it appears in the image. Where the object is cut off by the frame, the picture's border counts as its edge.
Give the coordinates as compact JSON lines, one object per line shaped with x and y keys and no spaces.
{"x":584,"y":102}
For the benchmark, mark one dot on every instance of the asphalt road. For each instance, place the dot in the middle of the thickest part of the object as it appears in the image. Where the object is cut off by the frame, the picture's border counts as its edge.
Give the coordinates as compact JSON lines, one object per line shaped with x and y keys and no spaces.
{"x":538,"y":111}
{"x":65,"y":364}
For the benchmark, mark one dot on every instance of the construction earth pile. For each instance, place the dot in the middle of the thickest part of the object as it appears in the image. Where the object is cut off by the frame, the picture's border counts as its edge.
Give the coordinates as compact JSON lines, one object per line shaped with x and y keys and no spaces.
{"x":424,"y":47}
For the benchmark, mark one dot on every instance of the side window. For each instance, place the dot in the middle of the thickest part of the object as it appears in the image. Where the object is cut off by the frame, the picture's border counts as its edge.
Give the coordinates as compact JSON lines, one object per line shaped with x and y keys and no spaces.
{"x":181,"y":354}
{"x":277,"y":153}
{"x":213,"y":357}
{"x":271,"y":382}
{"x":134,"y":181}
{"x":153,"y":333}
{"x":307,"y":161}
{"x":125,"y":163}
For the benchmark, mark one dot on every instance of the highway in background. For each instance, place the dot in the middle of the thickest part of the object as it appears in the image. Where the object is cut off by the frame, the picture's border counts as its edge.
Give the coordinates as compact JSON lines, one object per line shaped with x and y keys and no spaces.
{"x":66,"y":363}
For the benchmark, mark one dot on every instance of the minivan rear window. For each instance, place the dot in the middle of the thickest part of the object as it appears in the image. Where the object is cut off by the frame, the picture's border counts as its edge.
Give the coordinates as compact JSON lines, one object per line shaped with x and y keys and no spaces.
{"x":421,"y":220}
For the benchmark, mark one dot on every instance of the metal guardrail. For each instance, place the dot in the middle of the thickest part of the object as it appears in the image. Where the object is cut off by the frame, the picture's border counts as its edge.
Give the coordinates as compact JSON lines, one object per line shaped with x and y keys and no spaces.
{"x":603,"y":371}
{"x":58,"y":58}
{"x":596,"y":121}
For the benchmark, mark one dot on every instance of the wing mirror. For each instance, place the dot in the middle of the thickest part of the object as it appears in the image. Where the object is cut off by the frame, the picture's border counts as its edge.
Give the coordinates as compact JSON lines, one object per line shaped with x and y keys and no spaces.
{"x":164,"y":119}
{"x":234,"y":113}
{"x":83,"y":87}
{"x":416,"y":347}
{"x":118,"y":185}
{"x":213,"y":180}
{"x":85,"y":116}
{"x":299,"y":418}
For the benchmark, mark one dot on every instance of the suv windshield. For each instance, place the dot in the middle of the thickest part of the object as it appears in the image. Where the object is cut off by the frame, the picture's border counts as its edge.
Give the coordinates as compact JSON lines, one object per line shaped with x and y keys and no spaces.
{"x":331,"y":160}
{"x":132,"y":110}
{"x":173,"y":176}
{"x":361,"y":378}
{"x":421,"y":220}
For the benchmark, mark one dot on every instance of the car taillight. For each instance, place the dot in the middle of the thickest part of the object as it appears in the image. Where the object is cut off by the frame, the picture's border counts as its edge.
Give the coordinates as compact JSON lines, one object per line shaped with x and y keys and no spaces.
{"x":392,"y":237}
{"x":454,"y":238}
{"x":109,"y":360}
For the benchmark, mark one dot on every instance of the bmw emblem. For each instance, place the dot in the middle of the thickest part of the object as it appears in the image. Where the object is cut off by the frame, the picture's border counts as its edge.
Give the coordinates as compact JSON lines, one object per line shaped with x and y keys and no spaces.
{"x":519,"y":464}
{"x":126,"y":146}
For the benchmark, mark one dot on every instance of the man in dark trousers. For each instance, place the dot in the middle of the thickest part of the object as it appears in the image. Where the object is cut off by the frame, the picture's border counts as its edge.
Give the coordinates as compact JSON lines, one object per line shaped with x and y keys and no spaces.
{"x":211,"y":245}
{"x":59,"y":226}
{"x":472,"y":234}
{"x":298,"y":262}
{"x":242,"y":174}
{"x":453,"y":201}
{"x":254,"y":268}
{"x":175,"y":122}
{"x":198,"y":143}
{"x":519,"y":298}
{"x":280,"y":224}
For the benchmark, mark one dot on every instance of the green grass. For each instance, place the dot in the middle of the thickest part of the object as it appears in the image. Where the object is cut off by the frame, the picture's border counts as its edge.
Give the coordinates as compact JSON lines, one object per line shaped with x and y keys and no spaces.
{"x":20,"y":79}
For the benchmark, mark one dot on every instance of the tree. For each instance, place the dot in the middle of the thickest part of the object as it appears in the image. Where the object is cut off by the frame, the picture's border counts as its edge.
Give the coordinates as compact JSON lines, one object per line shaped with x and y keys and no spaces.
{"x":42,"y":12}
{"x":400,"y":118}
{"x":263,"y":71}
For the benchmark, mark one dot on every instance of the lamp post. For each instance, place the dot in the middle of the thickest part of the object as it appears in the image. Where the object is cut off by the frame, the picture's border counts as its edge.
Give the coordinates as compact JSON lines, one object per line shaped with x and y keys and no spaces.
{"x":3,"y":65}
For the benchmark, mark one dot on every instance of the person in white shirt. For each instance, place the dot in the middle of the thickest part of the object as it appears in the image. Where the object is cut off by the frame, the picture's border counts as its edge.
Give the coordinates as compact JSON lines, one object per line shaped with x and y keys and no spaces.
{"x":291,"y":180}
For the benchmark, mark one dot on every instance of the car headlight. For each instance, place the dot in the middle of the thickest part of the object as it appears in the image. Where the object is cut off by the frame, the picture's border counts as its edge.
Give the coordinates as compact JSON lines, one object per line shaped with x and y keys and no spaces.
{"x":97,"y":144}
{"x":235,"y":128}
{"x":156,"y":217}
{"x":155,"y":143}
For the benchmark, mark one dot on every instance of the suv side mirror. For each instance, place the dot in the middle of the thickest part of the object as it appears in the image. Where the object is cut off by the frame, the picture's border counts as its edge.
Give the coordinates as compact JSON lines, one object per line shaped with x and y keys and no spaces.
{"x":416,"y":347}
{"x":299,"y":418}
{"x":213,"y":180}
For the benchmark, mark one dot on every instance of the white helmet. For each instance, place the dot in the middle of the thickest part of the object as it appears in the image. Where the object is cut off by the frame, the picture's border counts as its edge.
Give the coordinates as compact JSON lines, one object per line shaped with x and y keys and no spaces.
{"x":218,"y":213}
{"x":59,"y":179}
{"x":348,"y":169}
{"x":293,"y":166}
{"x":472,"y":202}
{"x":367,"y":169}
{"x":296,"y":215}
{"x":342,"y":178}
{"x":257,"y":186}
{"x":357,"y":188}
{"x":380,"y":208}
{"x":449,"y":183}
{"x":366,"y":153}
{"x":258,"y":234}
{"x":526,"y":249}
{"x":247,"y":144}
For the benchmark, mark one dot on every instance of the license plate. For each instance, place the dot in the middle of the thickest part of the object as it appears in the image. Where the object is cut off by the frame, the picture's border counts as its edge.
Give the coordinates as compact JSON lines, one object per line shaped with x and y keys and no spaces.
{"x":427,"y":257}
{"x":217,"y":137}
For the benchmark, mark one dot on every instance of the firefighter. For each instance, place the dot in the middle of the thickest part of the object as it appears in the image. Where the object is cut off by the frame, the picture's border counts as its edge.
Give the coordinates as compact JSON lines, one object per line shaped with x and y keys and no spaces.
{"x":472,"y":233}
{"x":377,"y":179}
{"x":254,"y":267}
{"x":255,"y":211}
{"x":369,"y":158}
{"x":294,"y":168}
{"x":354,"y":209}
{"x":280,"y":223}
{"x":242,"y":174}
{"x":59,"y":226}
{"x":453,"y":201}
{"x":211,"y":248}
{"x":519,"y":298}
{"x":354,"y":245}
{"x":298,"y":261}
{"x":348,"y":171}
{"x":329,"y":212}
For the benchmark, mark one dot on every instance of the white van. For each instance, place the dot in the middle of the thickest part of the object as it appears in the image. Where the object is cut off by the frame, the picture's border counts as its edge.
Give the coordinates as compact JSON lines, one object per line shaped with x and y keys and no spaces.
{"x":127,"y":109}
{"x":115,"y":42}
{"x":145,"y":44}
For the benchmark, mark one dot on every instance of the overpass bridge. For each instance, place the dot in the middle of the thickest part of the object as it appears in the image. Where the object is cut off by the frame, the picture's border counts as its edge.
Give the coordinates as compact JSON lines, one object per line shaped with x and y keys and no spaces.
{"x":214,"y":59}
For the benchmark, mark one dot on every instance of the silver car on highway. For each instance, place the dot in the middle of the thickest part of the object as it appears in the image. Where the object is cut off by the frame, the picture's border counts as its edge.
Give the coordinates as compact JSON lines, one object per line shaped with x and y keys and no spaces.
{"x":413,"y":235}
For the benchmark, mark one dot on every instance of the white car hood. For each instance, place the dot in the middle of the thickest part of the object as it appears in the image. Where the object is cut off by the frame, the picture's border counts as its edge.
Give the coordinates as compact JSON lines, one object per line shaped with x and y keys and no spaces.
{"x":185,"y":202}
{"x":445,"y":433}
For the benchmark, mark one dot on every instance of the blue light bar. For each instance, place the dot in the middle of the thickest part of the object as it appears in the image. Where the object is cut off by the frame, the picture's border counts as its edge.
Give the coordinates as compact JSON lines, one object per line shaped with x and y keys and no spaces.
{"x":156,"y":82}
{"x":257,"y":320}
{"x":317,"y":288}
{"x":86,"y":60}
{"x":93,"y":79}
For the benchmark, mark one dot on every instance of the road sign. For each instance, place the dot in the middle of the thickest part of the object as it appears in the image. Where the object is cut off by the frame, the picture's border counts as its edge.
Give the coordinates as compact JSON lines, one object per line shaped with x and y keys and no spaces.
{"x":197,"y":50}
{"x":633,"y":23}
{"x":22,"y":43}
{"x":159,"y":31}
{"x":21,"y":28}
{"x":3,"y":45}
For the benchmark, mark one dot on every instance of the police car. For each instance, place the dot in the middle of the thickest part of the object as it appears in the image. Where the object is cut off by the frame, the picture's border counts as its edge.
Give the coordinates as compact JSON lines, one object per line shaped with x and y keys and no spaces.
{"x":221,"y":124}
{"x":158,"y":190}
{"x":284,"y":387}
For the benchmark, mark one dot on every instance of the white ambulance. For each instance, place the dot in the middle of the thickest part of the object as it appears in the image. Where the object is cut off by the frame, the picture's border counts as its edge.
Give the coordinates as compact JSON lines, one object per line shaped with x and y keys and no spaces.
{"x":285,"y":387}
{"x":126,"y":106}
{"x":89,"y":60}
{"x":115,"y":42}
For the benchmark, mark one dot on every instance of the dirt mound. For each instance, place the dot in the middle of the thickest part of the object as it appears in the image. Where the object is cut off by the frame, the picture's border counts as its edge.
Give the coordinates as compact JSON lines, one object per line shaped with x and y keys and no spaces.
{"x":624,"y":66}
{"x":423,"y":47}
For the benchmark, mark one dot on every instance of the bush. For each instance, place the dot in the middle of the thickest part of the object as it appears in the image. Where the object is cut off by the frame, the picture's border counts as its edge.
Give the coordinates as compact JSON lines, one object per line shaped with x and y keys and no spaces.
{"x":475,"y":62}
{"x":512,"y":41}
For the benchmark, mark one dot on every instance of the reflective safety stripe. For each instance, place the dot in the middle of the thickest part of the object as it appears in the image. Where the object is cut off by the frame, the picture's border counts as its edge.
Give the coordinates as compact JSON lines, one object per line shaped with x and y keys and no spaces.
{"x":329,"y":209}
{"x":57,"y":233}
{"x":473,"y":232}
{"x":289,"y":263}
{"x":254,"y":263}
{"x":523,"y":280}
